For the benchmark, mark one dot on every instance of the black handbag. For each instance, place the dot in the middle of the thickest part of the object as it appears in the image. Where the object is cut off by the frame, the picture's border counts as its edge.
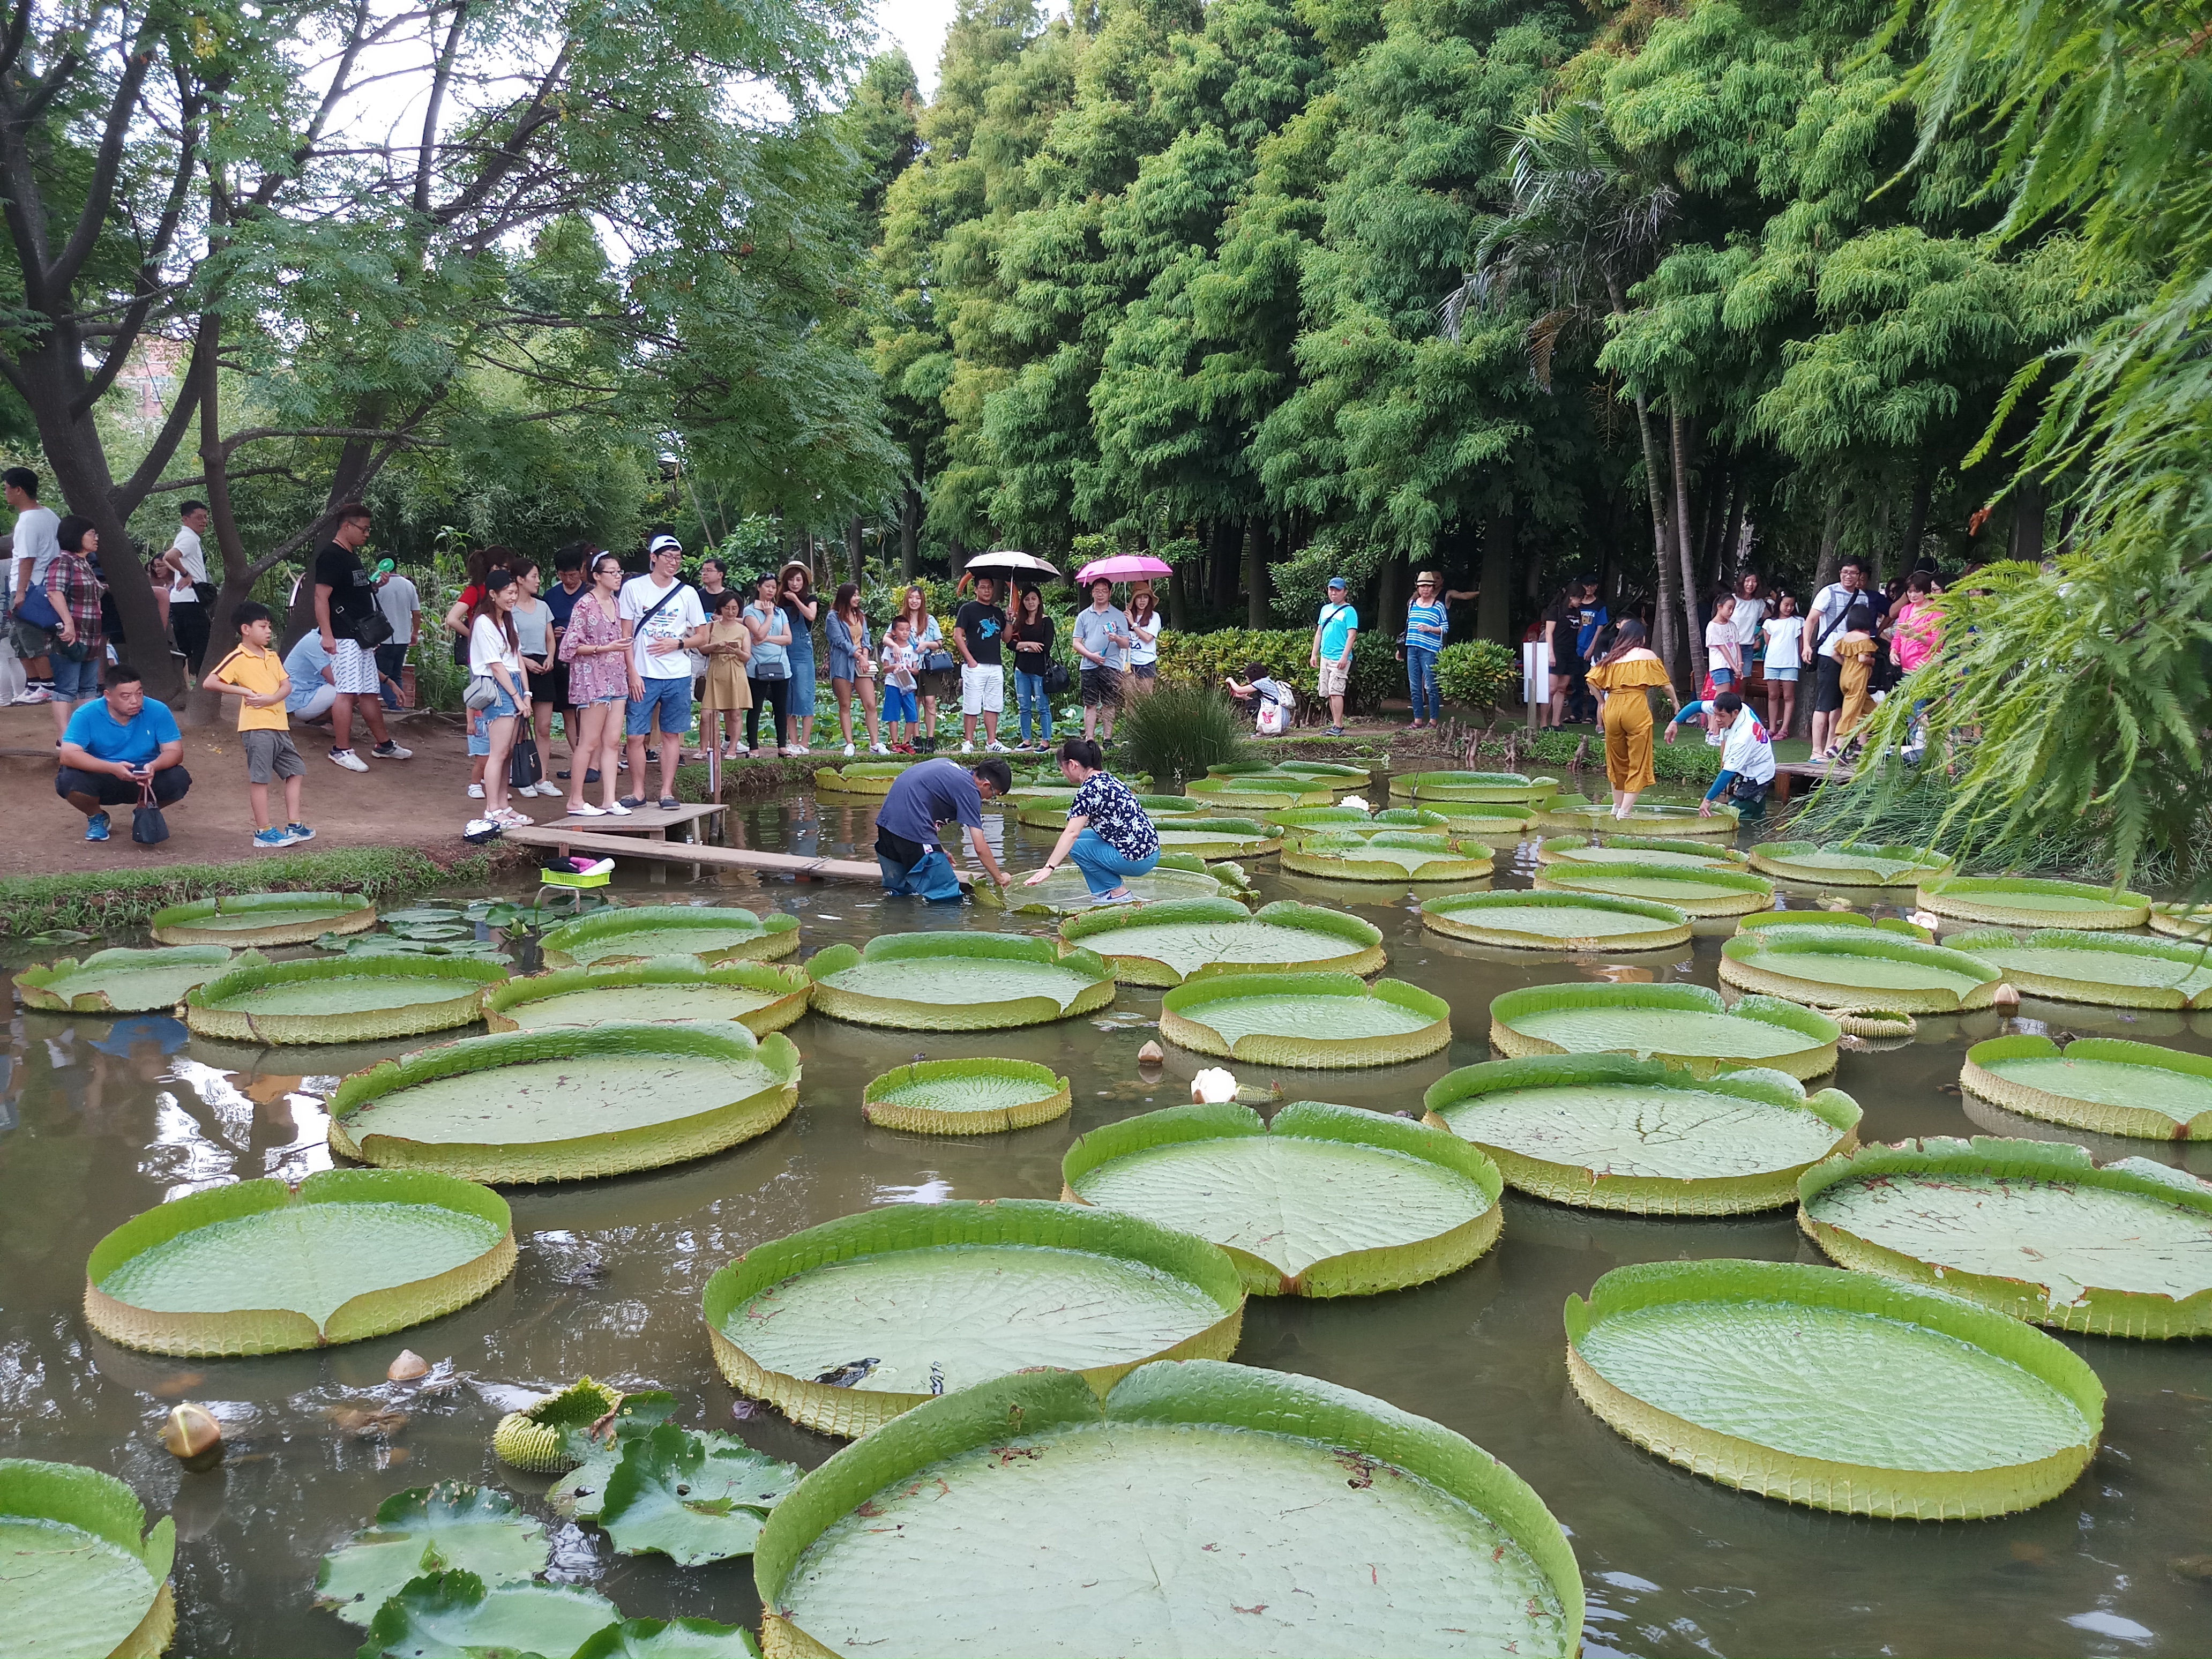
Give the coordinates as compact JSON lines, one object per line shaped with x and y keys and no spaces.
{"x":524,"y":769}
{"x":371,"y":630}
{"x":1056,"y":679}
{"x":148,"y":827}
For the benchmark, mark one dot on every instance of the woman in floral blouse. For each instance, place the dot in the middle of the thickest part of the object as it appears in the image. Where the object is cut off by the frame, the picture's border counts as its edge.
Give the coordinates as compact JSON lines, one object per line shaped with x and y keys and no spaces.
{"x":1107,"y":836}
{"x":597,"y":655}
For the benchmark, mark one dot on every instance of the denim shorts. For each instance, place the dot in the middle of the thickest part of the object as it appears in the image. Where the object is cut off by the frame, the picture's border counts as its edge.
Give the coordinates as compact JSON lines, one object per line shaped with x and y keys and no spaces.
{"x":76,"y":682}
{"x":1785,"y":676}
{"x":669,"y":699}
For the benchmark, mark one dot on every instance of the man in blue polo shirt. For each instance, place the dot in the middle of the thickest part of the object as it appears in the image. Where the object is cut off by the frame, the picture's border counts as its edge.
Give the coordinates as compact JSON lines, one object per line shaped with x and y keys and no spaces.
{"x":922,"y":798}
{"x":114,"y":746}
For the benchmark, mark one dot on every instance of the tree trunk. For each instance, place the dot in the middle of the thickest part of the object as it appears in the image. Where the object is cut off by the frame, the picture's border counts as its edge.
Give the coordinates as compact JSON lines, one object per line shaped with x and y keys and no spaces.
{"x":1257,"y":545}
{"x":1178,"y":599}
{"x":910,"y":533}
{"x":1389,"y":605}
{"x":1831,"y":544}
{"x":2027,"y":518}
{"x":1683,"y":435}
{"x":1222,"y":550}
{"x":854,"y":550}
{"x":1493,"y":603}
{"x":1655,"y":480}
{"x":1731,"y":558}
{"x":1916,"y":521}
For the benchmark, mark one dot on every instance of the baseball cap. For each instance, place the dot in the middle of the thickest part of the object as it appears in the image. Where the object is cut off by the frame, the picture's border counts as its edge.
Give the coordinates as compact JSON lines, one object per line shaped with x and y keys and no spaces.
{"x":663,"y":544}
{"x":1335,"y":582}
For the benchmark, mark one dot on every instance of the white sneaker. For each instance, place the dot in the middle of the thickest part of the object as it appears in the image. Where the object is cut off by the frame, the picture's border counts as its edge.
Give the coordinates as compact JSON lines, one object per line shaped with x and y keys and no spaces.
{"x":967,"y":748}
{"x":849,"y":751}
{"x":475,"y":791}
{"x":347,"y":758}
{"x":550,"y":790}
{"x":996,"y":747}
{"x":795,"y":749}
{"x":617,"y":810}
{"x":881,"y":748}
{"x":587,"y":811}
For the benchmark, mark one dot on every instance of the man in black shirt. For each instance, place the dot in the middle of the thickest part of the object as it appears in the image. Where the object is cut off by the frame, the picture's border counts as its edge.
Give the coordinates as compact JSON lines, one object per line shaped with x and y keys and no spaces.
{"x":345,"y":600}
{"x":978,"y":631}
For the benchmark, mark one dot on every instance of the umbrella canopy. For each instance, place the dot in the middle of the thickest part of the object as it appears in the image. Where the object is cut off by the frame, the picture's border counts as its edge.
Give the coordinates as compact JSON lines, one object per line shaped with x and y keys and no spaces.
{"x":1122,"y":567}
{"x":1006,"y":561}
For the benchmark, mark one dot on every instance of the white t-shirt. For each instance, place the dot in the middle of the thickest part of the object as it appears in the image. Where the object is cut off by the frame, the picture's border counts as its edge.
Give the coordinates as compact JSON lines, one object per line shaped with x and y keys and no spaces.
{"x":1146,"y":636}
{"x":672,"y":622}
{"x":186,"y":544}
{"x":488,"y":645}
{"x":400,"y":599}
{"x":1749,"y":613}
{"x":1783,"y":635}
{"x":1718,"y":635}
{"x":1828,"y":606}
{"x":37,"y":538}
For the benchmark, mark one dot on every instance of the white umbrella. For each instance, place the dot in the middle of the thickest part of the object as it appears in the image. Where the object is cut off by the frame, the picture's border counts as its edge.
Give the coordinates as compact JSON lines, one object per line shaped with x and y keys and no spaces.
{"x":1008,"y":562}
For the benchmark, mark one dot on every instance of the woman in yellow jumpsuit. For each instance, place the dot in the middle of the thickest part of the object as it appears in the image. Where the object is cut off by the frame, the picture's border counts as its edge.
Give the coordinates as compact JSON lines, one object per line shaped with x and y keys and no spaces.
{"x":1624,"y":674}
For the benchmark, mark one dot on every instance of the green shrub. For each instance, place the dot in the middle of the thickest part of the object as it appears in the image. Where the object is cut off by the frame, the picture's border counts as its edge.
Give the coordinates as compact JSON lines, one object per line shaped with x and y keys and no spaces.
{"x":1477,"y":673}
{"x":1205,"y":660}
{"x":1688,"y":759}
{"x":1178,"y":732}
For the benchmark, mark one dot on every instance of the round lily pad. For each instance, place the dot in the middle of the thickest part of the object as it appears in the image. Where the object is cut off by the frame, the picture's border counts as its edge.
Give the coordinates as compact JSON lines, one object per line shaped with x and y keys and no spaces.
{"x":1200,"y":1508}
{"x":427,"y":1530}
{"x":2103,"y":1084}
{"x":1305,"y":1019}
{"x":1509,"y":788}
{"x":1680,"y":853}
{"x":1848,"y":864}
{"x":712,"y":933}
{"x":2036,"y":1229}
{"x":239,"y":919}
{"x":567,"y":1104}
{"x":2116,"y":971}
{"x":872,"y":778}
{"x":1334,"y":772}
{"x":341,"y":999}
{"x":1394,"y":855}
{"x":1695,"y":892}
{"x":1065,"y":892}
{"x":260,"y":1267}
{"x":844,"y":1326}
{"x":2189,"y":922}
{"x":1834,"y":1389}
{"x":121,"y":982}
{"x":1854,"y":968}
{"x":1344,"y":820}
{"x":1557,"y":921}
{"x":84,"y":1574}
{"x":957,"y":981}
{"x":979,"y":1096}
{"x":1605,"y":1131}
{"x":2016,"y":902}
{"x":1218,"y":838}
{"x":1323,"y":1201}
{"x":1684,"y":1025}
{"x":1649,"y":818}
{"x":456,"y":1612}
{"x":1259,"y":794}
{"x":1166,"y":943}
{"x":761,"y":996}
{"x":1046,"y":809}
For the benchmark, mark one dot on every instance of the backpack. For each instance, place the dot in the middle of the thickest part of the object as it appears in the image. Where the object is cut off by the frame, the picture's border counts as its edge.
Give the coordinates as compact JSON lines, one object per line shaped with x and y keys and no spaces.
{"x":1275,"y":713}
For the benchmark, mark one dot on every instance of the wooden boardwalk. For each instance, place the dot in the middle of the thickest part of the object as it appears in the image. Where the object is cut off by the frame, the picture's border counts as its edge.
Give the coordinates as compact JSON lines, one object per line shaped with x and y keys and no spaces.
{"x":568,"y":843}
{"x":1788,"y":774}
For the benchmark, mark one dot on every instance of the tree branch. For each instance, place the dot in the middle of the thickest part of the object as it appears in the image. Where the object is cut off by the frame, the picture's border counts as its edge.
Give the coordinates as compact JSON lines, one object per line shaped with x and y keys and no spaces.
{"x":99,"y":189}
{"x":438,"y":85}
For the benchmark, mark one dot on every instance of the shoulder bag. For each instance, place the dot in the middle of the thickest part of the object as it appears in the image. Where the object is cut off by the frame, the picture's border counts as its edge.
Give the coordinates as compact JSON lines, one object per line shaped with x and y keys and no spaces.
{"x":148,"y":827}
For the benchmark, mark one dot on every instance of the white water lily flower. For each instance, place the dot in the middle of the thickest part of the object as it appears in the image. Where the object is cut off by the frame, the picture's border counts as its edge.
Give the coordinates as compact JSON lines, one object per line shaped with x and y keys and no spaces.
{"x":1354,"y":800}
{"x":1214,"y":1085}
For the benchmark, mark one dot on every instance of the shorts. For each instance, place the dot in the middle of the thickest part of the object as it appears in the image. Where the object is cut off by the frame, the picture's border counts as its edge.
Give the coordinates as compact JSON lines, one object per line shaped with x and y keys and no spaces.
{"x":1102,"y":688}
{"x":503,"y":707}
{"x":1568,"y":668}
{"x":551,"y":687}
{"x":316,"y":706}
{"x":1828,"y":694}
{"x":1722,"y":678}
{"x":353,"y":668}
{"x":1783,"y":676}
{"x":983,"y":688}
{"x":170,"y":784}
{"x":900,"y":704}
{"x":1144,"y":671}
{"x":1335,"y":676}
{"x":670,"y":700}
{"x":75,"y":682}
{"x":271,"y":754}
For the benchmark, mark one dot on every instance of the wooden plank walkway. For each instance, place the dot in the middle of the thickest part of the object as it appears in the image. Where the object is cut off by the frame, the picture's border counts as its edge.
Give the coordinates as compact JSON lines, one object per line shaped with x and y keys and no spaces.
{"x":653,"y":822}
{"x":1787,"y":774}
{"x":566,"y":842}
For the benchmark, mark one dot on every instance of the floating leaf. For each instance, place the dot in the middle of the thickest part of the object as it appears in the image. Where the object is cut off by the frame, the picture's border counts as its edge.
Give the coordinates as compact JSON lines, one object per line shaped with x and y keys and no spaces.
{"x":121,"y":982}
{"x":1396,"y":855}
{"x":1165,"y":944}
{"x":453,"y":1615}
{"x":430,"y":1529}
{"x":540,"y":1437}
{"x":263,"y":919}
{"x":1684,"y":1025}
{"x":2100,"y":1083}
{"x":84,"y":1574}
{"x":1638,"y":849}
{"x":1851,"y":967}
{"x":763,"y":997}
{"x":712,"y":933}
{"x":1305,"y":1019}
{"x":59,"y":936}
{"x":2018,"y":901}
{"x":1557,"y":921}
{"x":2112,"y":970}
{"x":1694,"y":891}
{"x":957,"y":981}
{"x":980,"y":1095}
{"x":671,"y":1639}
{"x":691,"y":1498}
{"x":340,"y":999}
{"x":1510,"y":788}
{"x":1848,"y":864}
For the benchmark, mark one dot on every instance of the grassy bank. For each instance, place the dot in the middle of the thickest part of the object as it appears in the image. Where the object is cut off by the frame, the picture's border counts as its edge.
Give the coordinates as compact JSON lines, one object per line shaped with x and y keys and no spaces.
{"x":102,"y":901}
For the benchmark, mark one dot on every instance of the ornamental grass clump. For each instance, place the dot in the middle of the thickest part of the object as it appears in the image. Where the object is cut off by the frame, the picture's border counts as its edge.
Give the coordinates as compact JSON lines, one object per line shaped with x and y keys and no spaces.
{"x":1179,"y":733}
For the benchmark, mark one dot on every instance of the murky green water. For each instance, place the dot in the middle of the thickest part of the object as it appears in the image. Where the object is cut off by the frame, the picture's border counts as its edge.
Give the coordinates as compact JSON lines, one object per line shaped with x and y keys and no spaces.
{"x":100,"y":1118}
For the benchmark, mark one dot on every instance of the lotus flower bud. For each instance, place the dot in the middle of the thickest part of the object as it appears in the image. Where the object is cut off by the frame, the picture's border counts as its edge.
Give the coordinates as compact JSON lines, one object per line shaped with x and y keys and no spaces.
{"x":408,"y":1367}
{"x":192,"y":1437}
{"x":1151,"y":1054}
{"x":2005,"y":996}
{"x":1927,"y":919}
{"x":1214,"y":1085}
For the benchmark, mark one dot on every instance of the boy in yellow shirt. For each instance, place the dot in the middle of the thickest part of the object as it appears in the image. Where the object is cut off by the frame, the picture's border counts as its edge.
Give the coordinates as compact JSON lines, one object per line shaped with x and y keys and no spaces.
{"x":254,"y":674}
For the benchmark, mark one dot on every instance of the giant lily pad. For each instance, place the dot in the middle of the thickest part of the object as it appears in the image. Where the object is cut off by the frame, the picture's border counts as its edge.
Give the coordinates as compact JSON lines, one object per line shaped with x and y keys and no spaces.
{"x":259,"y":1266}
{"x":1389,"y":855}
{"x":2189,"y":922}
{"x":1046,"y":809}
{"x":263,"y":919}
{"x":1342,"y":820}
{"x":1270,"y":791}
{"x":979,"y":1096}
{"x":429,"y":1529}
{"x":1200,"y":1508}
{"x":1305,"y":1019}
{"x":340,"y":998}
{"x":84,"y":1574}
{"x":1834,"y":1389}
{"x":712,"y":933}
{"x":1647,"y":817}
{"x":1848,"y":864}
{"x":1324,"y":1200}
{"x":2013,"y":901}
{"x":1557,"y":921}
{"x":2030,"y":1227}
{"x":1218,"y":838}
{"x":1065,"y":892}
{"x":1695,"y":892}
{"x":1495,"y":824}
{"x":1604,"y":1132}
{"x":1166,"y":943}
{"x":448,"y":1615}
{"x":2115,"y":971}
{"x":568,"y":1103}
{"x":870,"y":778}
{"x":2103,"y":1084}
{"x":1509,"y":788}
{"x":121,"y":982}
{"x":1684,"y":1025}
{"x":957,"y":981}
{"x":1855,"y":967}
{"x":1682,"y":853}
{"x":543,"y":1436}
{"x":1332,"y":772}
{"x":760,"y":996}
{"x":844,"y":1326}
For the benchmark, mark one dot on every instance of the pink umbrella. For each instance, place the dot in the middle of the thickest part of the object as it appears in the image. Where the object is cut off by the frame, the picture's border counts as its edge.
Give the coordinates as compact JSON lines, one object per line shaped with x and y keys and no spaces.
{"x":1121,"y":567}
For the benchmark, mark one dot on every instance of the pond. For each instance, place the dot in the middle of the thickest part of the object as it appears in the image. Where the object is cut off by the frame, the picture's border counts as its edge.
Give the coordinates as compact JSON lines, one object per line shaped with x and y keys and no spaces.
{"x":100,"y":1118}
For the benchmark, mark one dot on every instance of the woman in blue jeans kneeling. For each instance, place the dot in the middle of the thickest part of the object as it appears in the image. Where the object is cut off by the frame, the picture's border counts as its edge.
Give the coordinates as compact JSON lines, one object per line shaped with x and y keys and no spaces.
{"x":1107,"y":836}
